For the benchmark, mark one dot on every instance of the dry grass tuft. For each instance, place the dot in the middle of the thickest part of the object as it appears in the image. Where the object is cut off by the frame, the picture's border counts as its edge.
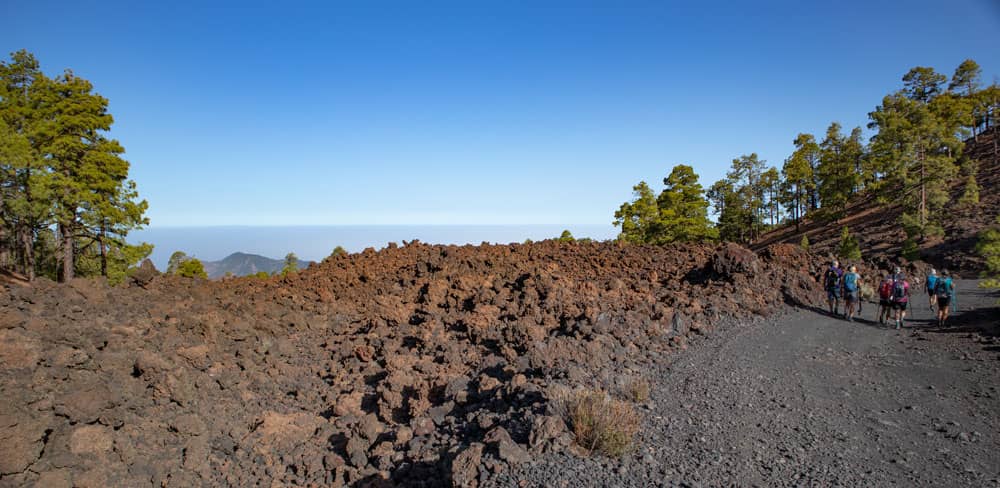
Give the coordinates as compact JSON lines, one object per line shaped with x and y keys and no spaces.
{"x":637,"y":390}
{"x":601,"y":423}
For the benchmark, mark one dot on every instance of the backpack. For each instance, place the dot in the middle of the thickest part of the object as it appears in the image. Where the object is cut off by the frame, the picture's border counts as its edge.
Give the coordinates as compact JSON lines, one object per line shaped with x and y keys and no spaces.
{"x":898,"y":291}
{"x":885,"y":290}
{"x":942,"y":288}
{"x":831,"y":279}
{"x":851,"y":282}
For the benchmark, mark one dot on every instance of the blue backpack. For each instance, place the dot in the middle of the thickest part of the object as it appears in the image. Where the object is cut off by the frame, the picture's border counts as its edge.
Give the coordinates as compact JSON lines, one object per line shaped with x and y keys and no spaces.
{"x":942,"y":288}
{"x":851,"y":282}
{"x":931,"y":281}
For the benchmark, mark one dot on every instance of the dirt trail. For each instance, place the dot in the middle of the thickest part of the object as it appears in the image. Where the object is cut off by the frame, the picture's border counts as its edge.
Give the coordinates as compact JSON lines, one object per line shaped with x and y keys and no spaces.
{"x":812,"y":400}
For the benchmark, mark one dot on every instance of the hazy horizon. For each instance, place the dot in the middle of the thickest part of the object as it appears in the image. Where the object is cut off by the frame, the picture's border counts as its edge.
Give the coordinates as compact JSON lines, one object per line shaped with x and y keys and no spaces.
{"x":315,"y":242}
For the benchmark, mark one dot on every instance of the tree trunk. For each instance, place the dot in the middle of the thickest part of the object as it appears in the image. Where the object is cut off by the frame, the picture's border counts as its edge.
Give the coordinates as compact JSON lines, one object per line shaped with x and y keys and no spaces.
{"x":923,"y":197}
{"x":996,"y":155}
{"x":104,"y":254}
{"x":28,"y":252}
{"x":67,"y":253}
{"x":4,"y":249}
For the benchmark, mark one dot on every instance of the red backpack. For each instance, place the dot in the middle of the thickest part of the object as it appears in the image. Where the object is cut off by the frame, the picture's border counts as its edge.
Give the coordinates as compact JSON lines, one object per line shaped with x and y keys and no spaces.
{"x":885,"y":290}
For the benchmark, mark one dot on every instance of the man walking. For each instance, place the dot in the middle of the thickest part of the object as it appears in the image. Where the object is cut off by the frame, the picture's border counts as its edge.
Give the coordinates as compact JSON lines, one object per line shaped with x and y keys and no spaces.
{"x":944,"y":292}
{"x":831,"y":281}
{"x":932,"y":296}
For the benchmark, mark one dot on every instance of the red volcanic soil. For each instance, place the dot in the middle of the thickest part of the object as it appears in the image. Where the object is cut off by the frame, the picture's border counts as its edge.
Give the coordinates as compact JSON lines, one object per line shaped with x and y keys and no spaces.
{"x":373,"y":368}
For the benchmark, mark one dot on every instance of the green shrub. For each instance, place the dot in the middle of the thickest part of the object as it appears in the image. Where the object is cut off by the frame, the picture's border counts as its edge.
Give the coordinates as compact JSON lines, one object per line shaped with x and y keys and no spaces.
{"x":191,"y":268}
{"x":910,"y":250}
{"x":849,"y":248}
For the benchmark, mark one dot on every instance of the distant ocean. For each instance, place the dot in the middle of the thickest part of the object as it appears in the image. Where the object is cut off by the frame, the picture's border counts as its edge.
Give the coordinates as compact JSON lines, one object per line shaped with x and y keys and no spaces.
{"x":316,"y":242}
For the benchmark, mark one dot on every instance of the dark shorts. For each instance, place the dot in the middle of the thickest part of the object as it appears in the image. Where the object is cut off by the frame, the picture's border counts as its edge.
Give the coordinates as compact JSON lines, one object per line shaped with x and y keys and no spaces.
{"x":851,"y":296}
{"x":899,"y":305}
{"x":884,"y":302}
{"x":943,"y":302}
{"x":833,"y":294}
{"x":930,"y":291}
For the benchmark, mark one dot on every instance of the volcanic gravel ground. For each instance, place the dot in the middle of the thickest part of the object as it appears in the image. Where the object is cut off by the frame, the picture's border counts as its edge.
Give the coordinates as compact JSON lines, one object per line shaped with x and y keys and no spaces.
{"x":812,"y":400}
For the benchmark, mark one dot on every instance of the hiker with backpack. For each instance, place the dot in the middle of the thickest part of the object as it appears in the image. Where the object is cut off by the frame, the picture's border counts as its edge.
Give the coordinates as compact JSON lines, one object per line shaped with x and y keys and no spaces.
{"x":852,"y":292}
{"x":900,"y":297}
{"x":944,"y":293}
{"x":931,"y":294}
{"x":885,"y":299}
{"x":831,"y":281}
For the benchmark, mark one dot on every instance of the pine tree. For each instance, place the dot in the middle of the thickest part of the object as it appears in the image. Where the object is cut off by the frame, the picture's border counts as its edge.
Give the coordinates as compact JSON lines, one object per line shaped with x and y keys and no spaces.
{"x":770,"y":182}
{"x":970,"y":190}
{"x":746,"y":177}
{"x":683,"y":209}
{"x":729,"y":207}
{"x":25,"y":207}
{"x":917,"y":146}
{"x":566,"y":236}
{"x":192,"y":268}
{"x":175,"y":261}
{"x":59,"y":169}
{"x":638,"y":219}
{"x":989,"y":248}
{"x":678,"y":214}
{"x":804,"y":243}
{"x":838,"y":169}
{"x":799,"y":186}
{"x":291,"y":264}
{"x":849,"y":248}
{"x":338,"y":251}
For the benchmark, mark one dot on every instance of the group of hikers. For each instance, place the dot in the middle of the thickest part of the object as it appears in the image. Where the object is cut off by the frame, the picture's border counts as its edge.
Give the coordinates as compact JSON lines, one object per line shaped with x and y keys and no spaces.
{"x":893,"y":293}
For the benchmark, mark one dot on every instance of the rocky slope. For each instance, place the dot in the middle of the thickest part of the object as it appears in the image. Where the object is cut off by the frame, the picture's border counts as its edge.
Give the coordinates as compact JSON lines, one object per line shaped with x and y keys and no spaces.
{"x":880,"y":235}
{"x":416,"y":365}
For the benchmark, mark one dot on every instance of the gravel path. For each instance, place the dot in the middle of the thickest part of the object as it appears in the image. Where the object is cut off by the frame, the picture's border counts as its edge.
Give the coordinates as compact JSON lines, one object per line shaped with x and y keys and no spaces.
{"x":811,"y":400}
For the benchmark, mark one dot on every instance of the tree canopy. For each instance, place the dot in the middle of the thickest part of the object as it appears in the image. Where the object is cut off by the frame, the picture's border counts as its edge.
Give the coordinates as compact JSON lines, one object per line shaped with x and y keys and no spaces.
{"x":678,"y":214}
{"x":59,"y":171}
{"x":912,"y":158}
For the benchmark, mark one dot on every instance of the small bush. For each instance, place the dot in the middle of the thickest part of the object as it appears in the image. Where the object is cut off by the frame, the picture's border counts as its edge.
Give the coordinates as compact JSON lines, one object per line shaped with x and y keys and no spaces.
{"x":601,"y":423}
{"x":849,"y":248}
{"x":804,"y":243}
{"x":192,"y":268}
{"x":637,"y":390}
{"x":910,"y":250}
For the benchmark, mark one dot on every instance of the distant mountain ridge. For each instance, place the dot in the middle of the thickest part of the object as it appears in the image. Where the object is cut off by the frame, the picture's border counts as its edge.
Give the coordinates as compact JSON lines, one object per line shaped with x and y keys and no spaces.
{"x":243,"y":264}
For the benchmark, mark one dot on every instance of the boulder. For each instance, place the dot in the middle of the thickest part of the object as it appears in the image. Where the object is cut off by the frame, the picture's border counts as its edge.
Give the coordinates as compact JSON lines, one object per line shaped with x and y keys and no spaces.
{"x":465,"y":466}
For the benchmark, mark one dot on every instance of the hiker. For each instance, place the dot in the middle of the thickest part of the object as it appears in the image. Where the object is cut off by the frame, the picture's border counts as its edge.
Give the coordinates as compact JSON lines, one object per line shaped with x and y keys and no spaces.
{"x":885,"y":299}
{"x":944,"y":292}
{"x":831,"y":281}
{"x":931,"y":294}
{"x":852,"y":291}
{"x":900,"y":297}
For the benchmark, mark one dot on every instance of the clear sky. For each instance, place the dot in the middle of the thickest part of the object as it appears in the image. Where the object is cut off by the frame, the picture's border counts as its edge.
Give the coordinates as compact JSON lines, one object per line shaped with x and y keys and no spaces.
{"x":505,"y":112}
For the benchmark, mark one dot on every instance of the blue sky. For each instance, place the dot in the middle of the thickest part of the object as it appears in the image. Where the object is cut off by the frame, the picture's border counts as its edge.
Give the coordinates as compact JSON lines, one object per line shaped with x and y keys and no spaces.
{"x":292,"y":113}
